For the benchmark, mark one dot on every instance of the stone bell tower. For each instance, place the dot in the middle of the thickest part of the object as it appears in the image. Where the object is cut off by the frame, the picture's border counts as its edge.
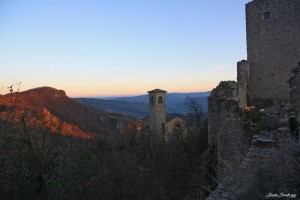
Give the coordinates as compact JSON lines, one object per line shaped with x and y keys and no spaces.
{"x":157,"y":110}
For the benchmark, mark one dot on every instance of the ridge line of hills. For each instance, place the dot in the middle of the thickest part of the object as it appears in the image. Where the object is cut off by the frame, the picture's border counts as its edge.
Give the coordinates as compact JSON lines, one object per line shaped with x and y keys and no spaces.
{"x":138,"y":106}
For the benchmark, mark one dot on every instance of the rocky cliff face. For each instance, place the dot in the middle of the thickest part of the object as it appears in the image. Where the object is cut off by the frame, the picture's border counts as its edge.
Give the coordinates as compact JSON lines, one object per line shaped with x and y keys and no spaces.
{"x":52,"y":108}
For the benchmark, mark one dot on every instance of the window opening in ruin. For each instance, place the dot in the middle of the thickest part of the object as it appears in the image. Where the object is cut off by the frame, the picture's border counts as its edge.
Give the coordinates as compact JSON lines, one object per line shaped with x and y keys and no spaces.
{"x":160,"y":100}
{"x":294,"y":126}
{"x":225,"y":142}
{"x":267,"y":15}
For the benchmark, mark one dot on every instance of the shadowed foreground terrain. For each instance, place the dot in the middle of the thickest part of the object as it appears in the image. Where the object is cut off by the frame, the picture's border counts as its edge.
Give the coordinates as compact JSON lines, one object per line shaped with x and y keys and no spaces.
{"x":87,"y":157}
{"x":35,"y":164}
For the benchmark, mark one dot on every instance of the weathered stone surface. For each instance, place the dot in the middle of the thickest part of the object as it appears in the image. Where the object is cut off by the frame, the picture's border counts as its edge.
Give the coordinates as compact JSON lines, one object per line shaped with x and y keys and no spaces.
{"x":225,"y":91}
{"x":264,"y":168}
{"x":295,"y":91}
{"x":227,"y":127}
{"x":273,"y":46}
{"x":267,"y":81}
{"x":157,"y":110}
{"x":242,"y":81}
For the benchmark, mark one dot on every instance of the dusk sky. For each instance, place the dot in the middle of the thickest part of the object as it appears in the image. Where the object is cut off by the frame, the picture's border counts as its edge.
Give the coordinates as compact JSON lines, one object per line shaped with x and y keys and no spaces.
{"x":100,"y":48}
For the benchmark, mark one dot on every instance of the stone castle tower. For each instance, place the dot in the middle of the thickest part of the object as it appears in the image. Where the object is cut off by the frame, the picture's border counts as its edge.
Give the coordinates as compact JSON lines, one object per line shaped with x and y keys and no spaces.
{"x":157,"y":110}
{"x":269,"y":73}
{"x":273,"y":47}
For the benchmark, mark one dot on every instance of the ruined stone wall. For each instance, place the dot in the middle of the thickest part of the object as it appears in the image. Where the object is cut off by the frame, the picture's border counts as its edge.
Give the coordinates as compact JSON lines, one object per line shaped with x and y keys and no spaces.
{"x":273,"y":46}
{"x":219,"y":94}
{"x":242,"y":80}
{"x":176,"y":126}
{"x":295,"y":91}
{"x":270,"y":166}
{"x":227,"y":127}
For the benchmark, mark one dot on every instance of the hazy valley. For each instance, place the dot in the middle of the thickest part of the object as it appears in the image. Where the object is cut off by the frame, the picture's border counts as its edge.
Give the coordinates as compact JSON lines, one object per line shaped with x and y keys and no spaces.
{"x":138,"y":106}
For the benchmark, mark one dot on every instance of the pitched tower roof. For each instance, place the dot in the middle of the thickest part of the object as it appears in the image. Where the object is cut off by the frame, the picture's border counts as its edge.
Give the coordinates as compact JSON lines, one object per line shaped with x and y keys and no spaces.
{"x":157,"y":91}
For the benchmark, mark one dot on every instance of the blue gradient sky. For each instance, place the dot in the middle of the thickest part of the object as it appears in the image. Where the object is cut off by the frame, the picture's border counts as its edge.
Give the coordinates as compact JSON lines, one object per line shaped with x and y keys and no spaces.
{"x":120,"y":47}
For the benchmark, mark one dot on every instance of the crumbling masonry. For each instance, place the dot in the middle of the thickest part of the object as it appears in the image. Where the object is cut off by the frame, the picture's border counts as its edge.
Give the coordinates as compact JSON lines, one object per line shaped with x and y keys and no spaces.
{"x":268,"y":84}
{"x":228,"y":127}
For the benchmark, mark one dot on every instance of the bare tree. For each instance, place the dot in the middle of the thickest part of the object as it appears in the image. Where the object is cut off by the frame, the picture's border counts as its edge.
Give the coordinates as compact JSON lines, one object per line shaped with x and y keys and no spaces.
{"x":194,"y":114}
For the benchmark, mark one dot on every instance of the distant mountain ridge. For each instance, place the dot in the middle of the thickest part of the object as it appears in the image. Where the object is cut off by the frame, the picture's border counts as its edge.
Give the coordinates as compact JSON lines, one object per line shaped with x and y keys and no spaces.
{"x":138,"y":105}
{"x":170,"y":97}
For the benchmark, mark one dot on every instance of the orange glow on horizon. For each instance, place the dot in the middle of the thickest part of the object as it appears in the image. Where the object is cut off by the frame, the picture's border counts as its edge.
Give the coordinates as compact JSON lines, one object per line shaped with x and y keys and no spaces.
{"x":133,"y":92}
{"x":120,"y":87}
